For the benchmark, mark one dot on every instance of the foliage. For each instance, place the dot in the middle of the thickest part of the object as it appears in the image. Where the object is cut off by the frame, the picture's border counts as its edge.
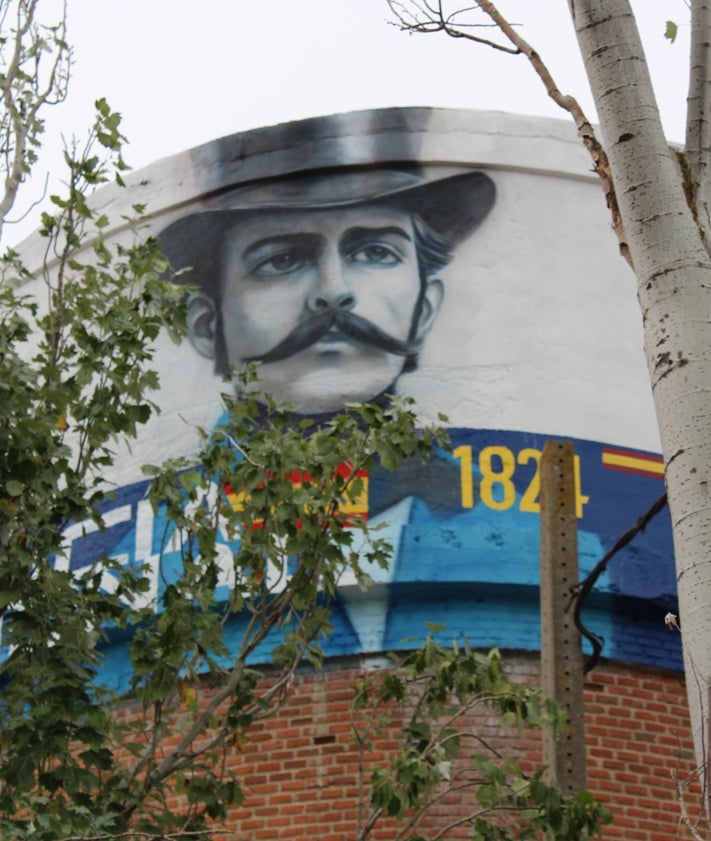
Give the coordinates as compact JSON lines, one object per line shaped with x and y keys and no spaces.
{"x":260,"y":509}
{"x":67,"y":393}
{"x":283,"y":489}
{"x":34,"y":72}
{"x":439,"y":697}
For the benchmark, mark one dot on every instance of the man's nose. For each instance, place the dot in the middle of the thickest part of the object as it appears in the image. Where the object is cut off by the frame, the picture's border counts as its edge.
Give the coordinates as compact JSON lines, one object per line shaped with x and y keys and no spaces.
{"x":330,"y":289}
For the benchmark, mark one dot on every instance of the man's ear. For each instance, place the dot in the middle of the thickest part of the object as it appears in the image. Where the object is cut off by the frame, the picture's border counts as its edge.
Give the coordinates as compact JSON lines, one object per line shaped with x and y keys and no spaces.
{"x":431,"y":302}
{"x":202,"y":324}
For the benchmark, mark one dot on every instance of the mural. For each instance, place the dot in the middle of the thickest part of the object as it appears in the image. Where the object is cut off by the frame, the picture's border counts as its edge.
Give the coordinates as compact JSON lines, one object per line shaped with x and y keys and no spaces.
{"x":343,"y":256}
{"x":332,"y":282}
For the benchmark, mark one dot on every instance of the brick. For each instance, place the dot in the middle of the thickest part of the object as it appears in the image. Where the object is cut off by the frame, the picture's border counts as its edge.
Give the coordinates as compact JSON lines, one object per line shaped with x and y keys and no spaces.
{"x":299,"y":768}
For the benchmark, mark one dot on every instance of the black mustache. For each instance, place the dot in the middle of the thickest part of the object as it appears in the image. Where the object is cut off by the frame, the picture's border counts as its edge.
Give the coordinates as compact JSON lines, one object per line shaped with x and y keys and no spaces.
{"x":315,"y":326}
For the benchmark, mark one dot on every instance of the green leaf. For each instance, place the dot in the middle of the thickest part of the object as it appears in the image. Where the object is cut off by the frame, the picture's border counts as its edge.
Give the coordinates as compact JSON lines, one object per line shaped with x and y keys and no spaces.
{"x":14,"y":488}
{"x":671,"y":31}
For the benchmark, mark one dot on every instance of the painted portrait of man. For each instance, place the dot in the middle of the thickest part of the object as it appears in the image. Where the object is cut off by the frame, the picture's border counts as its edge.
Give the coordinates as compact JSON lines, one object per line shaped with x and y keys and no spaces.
{"x":330,"y":281}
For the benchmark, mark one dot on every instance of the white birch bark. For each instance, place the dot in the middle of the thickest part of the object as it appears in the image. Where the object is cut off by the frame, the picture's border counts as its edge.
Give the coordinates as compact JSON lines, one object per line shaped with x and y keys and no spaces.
{"x":698,"y":116}
{"x":673,"y":269}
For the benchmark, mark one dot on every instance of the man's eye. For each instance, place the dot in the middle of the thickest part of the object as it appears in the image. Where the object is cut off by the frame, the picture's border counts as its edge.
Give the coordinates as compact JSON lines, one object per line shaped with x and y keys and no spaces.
{"x":279,"y":264}
{"x":376,"y":254}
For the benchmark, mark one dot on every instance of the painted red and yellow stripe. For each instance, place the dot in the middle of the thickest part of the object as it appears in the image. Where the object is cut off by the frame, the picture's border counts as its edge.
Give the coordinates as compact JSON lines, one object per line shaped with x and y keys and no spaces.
{"x":350,"y":506}
{"x":629,"y":461}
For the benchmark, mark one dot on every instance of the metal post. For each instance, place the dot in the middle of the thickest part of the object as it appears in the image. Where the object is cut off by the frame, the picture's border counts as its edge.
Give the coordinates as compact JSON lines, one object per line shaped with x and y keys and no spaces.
{"x":561,"y":661}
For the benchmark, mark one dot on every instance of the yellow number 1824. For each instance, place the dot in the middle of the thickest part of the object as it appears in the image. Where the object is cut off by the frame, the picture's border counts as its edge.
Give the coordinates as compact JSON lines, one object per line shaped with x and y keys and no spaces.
{"x":497,"y":466}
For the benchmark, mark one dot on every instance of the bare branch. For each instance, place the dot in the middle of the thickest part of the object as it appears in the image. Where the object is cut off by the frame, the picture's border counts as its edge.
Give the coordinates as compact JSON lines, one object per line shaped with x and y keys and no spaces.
{"x":681,"y":784}
{"x":416,"y":17}
{"x":426,"y":19}
{"x":131,"y":834}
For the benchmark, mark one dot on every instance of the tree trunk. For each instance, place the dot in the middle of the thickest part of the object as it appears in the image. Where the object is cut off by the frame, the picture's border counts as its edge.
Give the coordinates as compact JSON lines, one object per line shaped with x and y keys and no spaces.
{"x":673,"y":269}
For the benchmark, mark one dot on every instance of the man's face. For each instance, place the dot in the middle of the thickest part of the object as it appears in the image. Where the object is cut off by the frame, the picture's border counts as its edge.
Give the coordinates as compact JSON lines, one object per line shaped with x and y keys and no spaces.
{"x":351,"y":274}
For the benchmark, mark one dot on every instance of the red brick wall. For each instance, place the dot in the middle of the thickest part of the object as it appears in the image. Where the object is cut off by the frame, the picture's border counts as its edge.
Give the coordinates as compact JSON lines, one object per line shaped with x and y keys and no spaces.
{"x":299,"y":769}
{"x":639,"y":740}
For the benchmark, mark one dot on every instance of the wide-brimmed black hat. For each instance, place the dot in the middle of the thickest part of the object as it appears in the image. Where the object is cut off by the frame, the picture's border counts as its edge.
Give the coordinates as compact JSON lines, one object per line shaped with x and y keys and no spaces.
{"x":452,"y":207}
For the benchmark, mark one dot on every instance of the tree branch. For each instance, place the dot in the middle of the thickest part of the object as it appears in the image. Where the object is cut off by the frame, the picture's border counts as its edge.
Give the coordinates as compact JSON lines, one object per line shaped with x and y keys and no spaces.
{"x":23,"y":95}
{"x":427,"y":19}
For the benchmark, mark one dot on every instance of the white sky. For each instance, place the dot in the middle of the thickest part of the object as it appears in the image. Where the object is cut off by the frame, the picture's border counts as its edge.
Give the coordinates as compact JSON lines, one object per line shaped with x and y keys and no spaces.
{"x":183,"y":72}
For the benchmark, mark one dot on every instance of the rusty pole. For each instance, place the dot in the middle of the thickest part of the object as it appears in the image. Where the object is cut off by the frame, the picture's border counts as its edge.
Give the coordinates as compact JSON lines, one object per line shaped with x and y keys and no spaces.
{"x":561,"y":661}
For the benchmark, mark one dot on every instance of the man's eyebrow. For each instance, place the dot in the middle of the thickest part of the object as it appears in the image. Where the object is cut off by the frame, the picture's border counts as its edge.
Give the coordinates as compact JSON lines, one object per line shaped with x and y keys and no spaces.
{"x":356,"y":236}
{"x":299,"y":239}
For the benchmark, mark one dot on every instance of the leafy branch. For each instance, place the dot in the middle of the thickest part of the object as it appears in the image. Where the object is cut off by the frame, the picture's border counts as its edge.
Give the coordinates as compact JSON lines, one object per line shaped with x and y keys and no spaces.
{"x":34,"y":71}
{"x":442,"y":701}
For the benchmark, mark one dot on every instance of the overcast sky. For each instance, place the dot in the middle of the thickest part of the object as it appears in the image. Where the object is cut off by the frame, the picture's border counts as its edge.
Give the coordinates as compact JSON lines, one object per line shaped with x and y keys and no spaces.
{"x":182,"y":73}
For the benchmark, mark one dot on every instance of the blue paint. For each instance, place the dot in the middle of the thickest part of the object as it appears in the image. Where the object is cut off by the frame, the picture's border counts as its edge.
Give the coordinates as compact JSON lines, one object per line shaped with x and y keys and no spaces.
{"x":466,"y":554}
